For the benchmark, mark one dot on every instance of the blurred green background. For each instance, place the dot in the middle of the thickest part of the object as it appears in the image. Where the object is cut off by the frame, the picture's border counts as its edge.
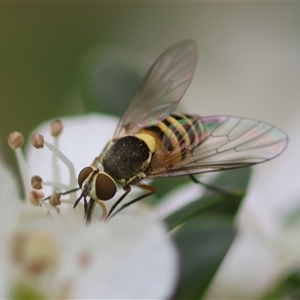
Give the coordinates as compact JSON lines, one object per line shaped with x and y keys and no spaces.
{"x":63,"y":58}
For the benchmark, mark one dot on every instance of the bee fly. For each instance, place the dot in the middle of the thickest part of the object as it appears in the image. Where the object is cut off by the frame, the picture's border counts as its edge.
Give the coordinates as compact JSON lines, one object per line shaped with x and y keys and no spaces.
{"x":153,"y":142}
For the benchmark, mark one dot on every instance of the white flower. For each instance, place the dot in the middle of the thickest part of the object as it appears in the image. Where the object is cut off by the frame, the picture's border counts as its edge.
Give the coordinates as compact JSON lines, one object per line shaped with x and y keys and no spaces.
{"x":267,"y":245}
{"x":56,"y":255}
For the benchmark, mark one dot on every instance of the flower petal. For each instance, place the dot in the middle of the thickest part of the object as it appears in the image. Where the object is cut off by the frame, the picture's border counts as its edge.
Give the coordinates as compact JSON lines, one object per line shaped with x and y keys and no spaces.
{"x":134,"y":259}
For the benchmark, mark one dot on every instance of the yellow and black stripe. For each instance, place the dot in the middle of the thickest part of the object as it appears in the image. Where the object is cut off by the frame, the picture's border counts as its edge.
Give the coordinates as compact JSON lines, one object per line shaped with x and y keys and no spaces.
{"x":179,"y":132}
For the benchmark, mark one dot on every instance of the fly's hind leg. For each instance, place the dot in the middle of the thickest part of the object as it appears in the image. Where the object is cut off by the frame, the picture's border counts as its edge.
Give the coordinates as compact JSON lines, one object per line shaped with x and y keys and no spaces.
{"x":214,"y":188}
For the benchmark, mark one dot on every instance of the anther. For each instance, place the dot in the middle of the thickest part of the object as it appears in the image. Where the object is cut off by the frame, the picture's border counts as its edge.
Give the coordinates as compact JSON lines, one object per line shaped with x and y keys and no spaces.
{"x":15,"y":140}
{"x":55,"y":199}
{"x":36,"y":182}
{"x":56,"y":128}
{"x":36,"y":197}
{"x":37,"y":141}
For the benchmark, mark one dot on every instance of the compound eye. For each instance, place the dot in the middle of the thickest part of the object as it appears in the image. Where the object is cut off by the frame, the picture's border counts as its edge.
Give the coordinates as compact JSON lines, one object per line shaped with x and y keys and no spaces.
{"x":83,"y":175}
{"x":105,"y":187}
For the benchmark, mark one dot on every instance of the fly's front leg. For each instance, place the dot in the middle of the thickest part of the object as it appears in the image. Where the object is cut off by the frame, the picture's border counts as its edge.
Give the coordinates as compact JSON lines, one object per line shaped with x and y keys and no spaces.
{"x":92,"y":203}
{"x":127,"y":191}
{"x":151,"y":190}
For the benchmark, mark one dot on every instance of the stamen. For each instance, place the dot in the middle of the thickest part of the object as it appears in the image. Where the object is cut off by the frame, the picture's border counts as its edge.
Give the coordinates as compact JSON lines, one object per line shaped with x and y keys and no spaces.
{"x":36,"y":182}
{"x":56,"y":128}
{"x":15,"y":141}
{"x":37,"y":141}
{"x":36,"y":197}
{"x":55,"y":199}
{"x":66,"y":161}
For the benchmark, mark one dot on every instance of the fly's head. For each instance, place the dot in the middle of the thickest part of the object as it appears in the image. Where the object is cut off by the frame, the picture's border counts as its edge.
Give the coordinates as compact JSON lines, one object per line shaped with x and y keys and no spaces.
{"x":96,"y":184}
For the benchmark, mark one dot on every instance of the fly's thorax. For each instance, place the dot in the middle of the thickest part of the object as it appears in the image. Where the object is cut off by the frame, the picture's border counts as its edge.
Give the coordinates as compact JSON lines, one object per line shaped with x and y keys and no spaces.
{"x":148,"y":139}
{"x":96,"y":184}
{"x":128,"y":157}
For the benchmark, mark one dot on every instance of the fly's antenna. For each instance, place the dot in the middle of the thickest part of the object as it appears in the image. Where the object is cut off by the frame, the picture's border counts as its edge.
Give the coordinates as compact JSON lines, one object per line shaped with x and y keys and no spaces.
{"x":63,"y":193}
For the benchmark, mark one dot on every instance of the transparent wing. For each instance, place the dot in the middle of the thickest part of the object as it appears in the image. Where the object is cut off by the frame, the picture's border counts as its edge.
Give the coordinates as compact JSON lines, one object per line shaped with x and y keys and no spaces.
{"x":225,"y":143}
{"x":162,"y":88}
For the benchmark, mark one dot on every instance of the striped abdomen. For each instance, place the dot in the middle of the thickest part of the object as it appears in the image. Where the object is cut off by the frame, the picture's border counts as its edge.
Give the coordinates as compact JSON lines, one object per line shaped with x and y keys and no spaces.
{"x":178,"y":133}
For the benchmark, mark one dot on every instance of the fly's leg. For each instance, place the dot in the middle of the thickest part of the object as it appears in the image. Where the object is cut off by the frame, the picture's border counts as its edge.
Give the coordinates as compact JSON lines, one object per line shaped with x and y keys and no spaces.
{"x":151,"y":190}
{"x":214,"y":188}
{"x":89,"y":211}
{"x":127,"y":191}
